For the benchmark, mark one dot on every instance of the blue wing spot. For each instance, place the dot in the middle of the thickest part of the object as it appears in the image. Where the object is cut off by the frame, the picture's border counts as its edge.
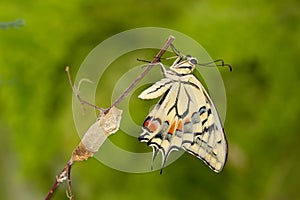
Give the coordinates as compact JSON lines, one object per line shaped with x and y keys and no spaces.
{"x":202,"y":110}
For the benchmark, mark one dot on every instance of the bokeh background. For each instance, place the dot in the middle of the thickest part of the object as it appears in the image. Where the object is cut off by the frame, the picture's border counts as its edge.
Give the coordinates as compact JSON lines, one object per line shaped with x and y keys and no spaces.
{"x":37,"y":133}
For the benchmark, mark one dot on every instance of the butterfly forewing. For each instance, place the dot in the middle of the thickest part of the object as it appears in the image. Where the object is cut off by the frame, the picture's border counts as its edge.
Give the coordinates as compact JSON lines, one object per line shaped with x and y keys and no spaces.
{"x":157,"y":89}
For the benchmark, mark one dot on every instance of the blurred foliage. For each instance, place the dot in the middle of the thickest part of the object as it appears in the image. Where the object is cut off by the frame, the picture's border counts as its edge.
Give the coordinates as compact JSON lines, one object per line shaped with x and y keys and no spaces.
{"x":14,"y":24}
{"x":37,"y":134}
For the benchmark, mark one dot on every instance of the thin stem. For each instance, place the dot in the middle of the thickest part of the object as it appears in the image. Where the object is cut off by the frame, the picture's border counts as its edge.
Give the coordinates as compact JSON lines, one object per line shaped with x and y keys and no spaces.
{"x":71,"y":196}
{"x":138,"y":79}
{"x":76,"y":92}
{"x":64,"y":175}
{"x":52,"y":190}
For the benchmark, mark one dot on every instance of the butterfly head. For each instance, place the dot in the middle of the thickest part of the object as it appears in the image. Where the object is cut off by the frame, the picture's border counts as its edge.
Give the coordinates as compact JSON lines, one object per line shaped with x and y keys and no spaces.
{"x":184,"y":65}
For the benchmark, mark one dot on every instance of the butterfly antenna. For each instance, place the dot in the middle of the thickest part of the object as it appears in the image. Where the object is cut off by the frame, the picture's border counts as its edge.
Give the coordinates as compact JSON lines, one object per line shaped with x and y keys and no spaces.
{"x":141,"y":60}
{"x":223,"y":64}
{"x":218,"y":62}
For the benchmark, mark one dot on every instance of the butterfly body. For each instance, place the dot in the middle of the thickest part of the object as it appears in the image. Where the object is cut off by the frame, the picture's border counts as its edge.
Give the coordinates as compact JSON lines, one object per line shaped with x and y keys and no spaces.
{"x":185,"y":117}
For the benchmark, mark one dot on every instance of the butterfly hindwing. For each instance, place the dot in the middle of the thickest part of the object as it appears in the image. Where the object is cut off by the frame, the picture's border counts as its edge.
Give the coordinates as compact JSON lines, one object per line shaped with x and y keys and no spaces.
{"x":160,"y":124}
{"x":209,"y":142}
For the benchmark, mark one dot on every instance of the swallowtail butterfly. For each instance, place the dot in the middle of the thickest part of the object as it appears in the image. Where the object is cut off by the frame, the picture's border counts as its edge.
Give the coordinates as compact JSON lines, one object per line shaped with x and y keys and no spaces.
{"x":185,"y":116}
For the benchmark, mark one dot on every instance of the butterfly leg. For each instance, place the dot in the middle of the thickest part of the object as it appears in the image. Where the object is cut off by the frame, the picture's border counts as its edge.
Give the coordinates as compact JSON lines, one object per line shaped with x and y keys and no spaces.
{"x":177,"y":52}
{"x":162,"y":67}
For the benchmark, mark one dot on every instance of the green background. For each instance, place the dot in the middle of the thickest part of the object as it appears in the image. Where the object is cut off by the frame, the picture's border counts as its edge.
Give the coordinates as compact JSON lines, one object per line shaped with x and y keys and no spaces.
{"x":260,"y":39}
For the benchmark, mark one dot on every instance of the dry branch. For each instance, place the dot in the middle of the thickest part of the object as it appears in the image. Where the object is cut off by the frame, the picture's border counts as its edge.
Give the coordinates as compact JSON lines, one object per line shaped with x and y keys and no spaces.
{"x":108,"y":123}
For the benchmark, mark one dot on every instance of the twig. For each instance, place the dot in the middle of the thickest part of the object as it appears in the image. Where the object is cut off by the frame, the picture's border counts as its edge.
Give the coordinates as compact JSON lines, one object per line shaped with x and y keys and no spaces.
{"x":64,"y":175}
{"x":70,"y":193}
{"x":107,"y":124}
{"x":148,"y":68}
{"x":130,"y":87}
{"x":76,"y":92}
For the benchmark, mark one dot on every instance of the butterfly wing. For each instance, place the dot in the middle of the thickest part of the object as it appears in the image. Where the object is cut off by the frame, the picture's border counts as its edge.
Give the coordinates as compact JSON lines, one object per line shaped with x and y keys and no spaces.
{"x":159,"y":121}
{"x":210,"y":144}
{"x":157,"y":89}
{"x":185,"y":117}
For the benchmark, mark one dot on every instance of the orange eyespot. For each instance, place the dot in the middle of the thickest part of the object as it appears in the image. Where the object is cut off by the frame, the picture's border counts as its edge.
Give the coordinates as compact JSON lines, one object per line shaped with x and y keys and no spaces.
{"x":146,"y":122}
{"x":152,"y":125}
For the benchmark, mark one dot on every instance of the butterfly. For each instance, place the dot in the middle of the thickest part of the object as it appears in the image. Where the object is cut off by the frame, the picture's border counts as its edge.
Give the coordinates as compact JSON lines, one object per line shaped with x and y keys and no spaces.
{"x":185,"y":116}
